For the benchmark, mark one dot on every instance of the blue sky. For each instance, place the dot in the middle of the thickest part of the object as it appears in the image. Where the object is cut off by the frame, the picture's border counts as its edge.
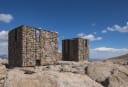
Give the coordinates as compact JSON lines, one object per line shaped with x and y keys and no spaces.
{"x":104,"y":22}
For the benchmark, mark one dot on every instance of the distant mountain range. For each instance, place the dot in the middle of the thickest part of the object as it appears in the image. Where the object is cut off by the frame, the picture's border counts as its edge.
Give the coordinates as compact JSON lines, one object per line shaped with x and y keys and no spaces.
{"x":119,"y":60}
{"x":114,"y":59}
{"x":93,"y":59}
{"x":3,"y":56}
{"x":119,"y":57}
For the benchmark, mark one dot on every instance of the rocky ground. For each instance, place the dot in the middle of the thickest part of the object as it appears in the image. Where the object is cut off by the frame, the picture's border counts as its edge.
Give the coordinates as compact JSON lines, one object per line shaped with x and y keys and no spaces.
{"x":66,"y":74}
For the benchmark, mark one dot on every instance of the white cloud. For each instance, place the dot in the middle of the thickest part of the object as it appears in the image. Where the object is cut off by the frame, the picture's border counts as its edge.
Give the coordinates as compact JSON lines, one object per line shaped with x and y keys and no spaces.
{"x":110,"y":49}
{"x":91,"y":37}
{"x":110,"y":29}
{"x":104,"y":31}
{"x":3,"y":36}
{"x":3,"y":42}
{"x":105,"y":52}
{"x":118,"y":28}
{"x":7,"y":18}
{"x":80,"y":34}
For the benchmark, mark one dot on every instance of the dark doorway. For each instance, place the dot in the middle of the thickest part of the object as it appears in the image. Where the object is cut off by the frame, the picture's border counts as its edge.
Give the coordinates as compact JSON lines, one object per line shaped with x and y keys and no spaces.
{"x":38,"y":63}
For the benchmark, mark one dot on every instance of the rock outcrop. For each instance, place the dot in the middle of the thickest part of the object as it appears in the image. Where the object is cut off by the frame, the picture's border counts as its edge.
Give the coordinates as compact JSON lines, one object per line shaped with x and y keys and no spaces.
{"x":108,"y":74}
{"x":66,"y":74}
{"x":3,"y":61}
{"x":2,"y":75}
{"x":48,"y":79}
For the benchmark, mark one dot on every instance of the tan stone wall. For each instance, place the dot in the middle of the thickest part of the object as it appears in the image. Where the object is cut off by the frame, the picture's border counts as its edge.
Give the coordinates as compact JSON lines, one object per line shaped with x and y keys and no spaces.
{"x":76,"y":49}
{"x":31,"y":48}
{"x":28,"y":55}
{"x":49,"y":41}
{"x":83,"y":49}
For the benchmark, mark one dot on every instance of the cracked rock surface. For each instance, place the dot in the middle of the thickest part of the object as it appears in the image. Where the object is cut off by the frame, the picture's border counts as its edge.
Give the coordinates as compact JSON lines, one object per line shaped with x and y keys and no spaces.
{"x":65,"y":74}
{"x":2,"y":75}
{"x":108,"y":74}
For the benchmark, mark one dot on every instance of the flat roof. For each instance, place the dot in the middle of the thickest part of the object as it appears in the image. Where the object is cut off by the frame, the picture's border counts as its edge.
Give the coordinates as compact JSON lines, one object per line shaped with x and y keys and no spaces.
{"x":33,"y":28}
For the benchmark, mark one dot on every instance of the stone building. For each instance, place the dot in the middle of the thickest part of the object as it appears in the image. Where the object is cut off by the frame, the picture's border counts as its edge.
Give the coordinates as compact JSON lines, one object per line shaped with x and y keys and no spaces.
{"x":76,"y":49}
{"x":29,"y":46}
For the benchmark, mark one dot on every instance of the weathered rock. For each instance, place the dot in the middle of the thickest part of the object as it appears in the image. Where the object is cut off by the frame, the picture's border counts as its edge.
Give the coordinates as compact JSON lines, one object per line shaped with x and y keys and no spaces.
{"x":2,"y":75}
{"x":108,"y":74}
{"x":66,"y":74}
{"x":74,"y":67}
{"x":119,"y":77}
{"x":17,"y":78}
{"x":99,"y":71}
{"x":119,"y":80}
{"x":3,"y":61}
{"x":60,"y":66}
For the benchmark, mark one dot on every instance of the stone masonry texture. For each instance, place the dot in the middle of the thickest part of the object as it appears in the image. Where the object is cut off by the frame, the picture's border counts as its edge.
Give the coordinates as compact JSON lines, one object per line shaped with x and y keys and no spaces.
{"x":29,"y":46}
{"x":76,"y":49}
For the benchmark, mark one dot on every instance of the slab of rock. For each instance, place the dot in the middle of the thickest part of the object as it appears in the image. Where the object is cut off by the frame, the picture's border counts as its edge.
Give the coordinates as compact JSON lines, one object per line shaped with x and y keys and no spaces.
{"x":2,"y":75}
{"x":60,"y":66}
{"x":99,"y":71}
{"x":3,"y":61}
{"x":66,"y":74}
{"x":17,"y":78}
{"x":119,"y":80}
{"x":108,"y":74}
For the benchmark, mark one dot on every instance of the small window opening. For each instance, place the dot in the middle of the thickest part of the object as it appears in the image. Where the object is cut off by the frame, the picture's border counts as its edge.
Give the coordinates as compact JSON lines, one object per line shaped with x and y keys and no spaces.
{"x":37,"y":33}
{"x":38,"y":62}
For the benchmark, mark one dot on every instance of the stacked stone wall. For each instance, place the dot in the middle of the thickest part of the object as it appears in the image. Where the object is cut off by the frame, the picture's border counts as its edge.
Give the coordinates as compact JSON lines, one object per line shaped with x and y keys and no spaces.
{"x":32,"y":47}
{"x":83,"y":49}
{"x":76,"y":49}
